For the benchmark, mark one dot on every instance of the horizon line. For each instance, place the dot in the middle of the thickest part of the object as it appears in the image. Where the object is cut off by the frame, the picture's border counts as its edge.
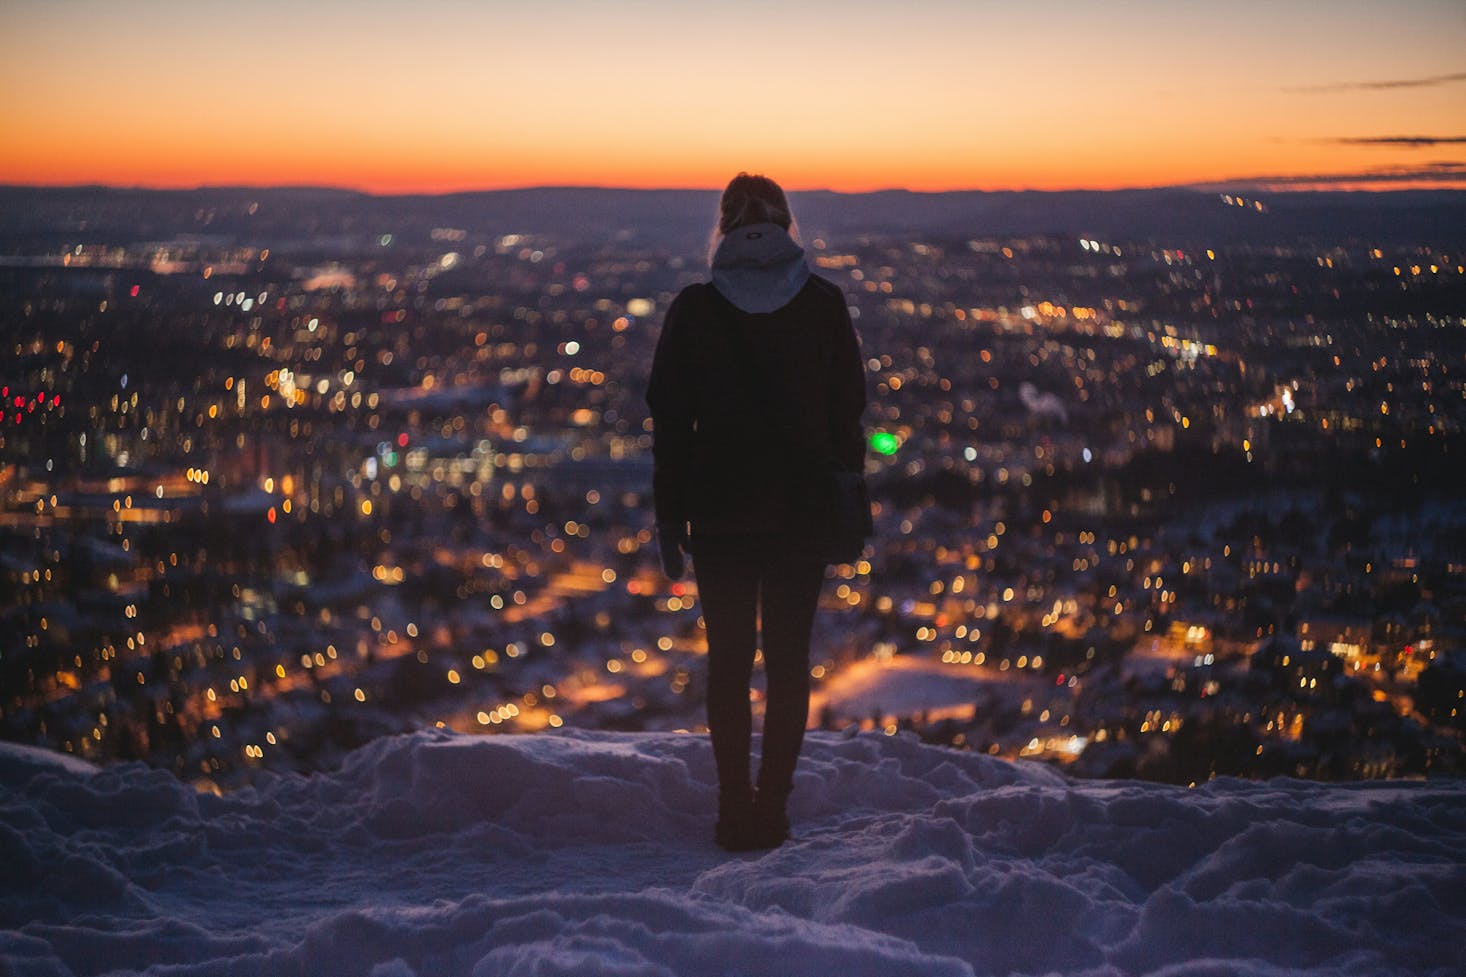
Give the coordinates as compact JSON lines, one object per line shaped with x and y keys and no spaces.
{"x":1253,"y":185}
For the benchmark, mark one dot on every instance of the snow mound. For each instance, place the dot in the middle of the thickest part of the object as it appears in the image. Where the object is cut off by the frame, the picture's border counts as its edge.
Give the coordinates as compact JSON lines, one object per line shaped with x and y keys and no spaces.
{"x":590,"y":854}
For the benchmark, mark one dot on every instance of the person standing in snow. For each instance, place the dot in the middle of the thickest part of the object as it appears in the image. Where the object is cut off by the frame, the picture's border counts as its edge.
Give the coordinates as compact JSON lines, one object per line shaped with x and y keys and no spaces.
{"x":756,"y":393}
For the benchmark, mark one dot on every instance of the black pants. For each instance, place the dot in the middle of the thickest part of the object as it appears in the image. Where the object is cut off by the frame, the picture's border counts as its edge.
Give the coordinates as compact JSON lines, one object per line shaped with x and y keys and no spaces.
{"x":744,"y":582}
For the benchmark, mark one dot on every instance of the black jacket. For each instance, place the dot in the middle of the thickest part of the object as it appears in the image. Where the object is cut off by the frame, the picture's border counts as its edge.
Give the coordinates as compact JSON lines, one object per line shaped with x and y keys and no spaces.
{"x":749,"y":408}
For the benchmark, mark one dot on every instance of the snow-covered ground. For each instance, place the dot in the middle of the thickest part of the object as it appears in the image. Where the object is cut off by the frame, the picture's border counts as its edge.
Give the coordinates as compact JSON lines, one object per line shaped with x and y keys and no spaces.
{"x":590,"y":854}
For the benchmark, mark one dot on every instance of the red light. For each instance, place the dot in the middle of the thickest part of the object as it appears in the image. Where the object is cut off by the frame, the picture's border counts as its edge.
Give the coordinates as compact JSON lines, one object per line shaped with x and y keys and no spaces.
{"x":56,"y":401}
{"x":1060,"y":679}
{"x":20,"y":401}
{"x":271,"y":515}
{"x":678,"y":590}
{"x":135,"y":289}
{"x":402,"y":440}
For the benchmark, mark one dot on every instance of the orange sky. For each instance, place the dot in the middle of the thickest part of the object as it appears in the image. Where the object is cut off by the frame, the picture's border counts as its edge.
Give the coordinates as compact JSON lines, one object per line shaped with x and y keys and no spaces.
{"x":852,"y":95}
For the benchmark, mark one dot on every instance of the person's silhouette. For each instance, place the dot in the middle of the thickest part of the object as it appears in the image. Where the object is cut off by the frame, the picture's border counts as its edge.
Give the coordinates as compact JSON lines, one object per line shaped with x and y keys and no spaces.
{"x":756,"y":393}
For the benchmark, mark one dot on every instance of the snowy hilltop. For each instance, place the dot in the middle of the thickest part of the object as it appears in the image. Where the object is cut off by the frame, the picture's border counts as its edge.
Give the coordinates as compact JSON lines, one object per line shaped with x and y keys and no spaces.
{"x":591,"y":854}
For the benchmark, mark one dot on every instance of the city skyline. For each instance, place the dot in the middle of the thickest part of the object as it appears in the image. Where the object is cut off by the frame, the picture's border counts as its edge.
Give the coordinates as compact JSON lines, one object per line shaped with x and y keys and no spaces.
{"x":335,"y":467}
{"x":938,"y":96}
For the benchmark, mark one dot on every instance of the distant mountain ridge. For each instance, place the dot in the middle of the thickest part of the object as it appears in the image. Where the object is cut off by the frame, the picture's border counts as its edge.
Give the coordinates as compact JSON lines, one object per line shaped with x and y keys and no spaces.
{"x":33,"y":217}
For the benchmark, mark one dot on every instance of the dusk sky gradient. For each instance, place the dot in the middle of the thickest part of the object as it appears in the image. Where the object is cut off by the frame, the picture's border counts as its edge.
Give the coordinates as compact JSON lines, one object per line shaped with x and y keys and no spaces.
{"x":444,"y":95}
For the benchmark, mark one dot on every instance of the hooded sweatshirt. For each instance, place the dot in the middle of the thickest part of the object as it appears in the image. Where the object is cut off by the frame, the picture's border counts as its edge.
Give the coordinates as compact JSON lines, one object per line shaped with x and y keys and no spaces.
{"x":756,"y":384}
{"x":759,"y":268}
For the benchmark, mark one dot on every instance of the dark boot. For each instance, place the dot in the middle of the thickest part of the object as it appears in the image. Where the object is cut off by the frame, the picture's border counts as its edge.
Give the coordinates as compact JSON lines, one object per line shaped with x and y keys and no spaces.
{"x":770,"y":818}
{"x":735,"y":828}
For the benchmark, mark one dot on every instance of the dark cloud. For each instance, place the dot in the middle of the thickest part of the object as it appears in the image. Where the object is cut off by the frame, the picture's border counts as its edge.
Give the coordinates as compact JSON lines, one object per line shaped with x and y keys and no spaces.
{"x":1362,"y":86}
{"x":1451,"y":174}
{"x":1397,"y":141}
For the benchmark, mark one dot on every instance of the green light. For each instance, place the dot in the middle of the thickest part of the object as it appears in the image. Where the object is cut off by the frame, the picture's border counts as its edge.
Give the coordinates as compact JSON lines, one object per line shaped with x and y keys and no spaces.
{"x":884,"y":443}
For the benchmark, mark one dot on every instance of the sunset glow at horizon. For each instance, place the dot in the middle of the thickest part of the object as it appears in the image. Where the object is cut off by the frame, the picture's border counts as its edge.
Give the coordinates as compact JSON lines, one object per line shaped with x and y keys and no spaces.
{"x":443,"y":96}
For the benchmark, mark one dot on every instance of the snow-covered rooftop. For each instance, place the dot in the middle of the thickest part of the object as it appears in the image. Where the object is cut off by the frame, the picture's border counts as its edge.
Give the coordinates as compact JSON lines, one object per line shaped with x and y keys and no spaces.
{"x":591,"y":854}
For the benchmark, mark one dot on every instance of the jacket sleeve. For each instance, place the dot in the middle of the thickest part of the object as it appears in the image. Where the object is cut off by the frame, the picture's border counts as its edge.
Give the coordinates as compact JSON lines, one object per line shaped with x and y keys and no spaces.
{"x":671,"y":397}
{"x":847,"y":395}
